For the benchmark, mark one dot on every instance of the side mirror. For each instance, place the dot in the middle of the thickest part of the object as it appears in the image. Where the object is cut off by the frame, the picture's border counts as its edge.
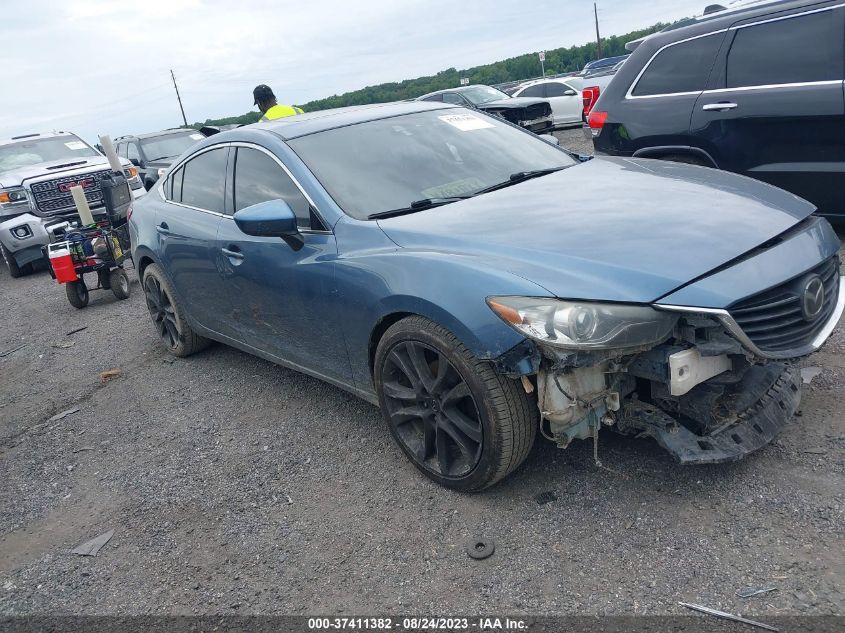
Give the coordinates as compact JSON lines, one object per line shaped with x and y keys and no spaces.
{"x":135,"y":162}
{"x":551,"y":139}
{"x":569,"y":93}
{"x":273,"y":218}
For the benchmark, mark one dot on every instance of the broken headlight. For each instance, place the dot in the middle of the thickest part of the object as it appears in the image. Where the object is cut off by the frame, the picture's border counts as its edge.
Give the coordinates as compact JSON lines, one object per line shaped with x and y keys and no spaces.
{"x":582,"y":324}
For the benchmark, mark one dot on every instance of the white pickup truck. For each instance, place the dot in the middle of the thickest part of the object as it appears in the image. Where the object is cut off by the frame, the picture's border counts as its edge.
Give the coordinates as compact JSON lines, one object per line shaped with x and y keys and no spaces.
{"x":36,"y":205}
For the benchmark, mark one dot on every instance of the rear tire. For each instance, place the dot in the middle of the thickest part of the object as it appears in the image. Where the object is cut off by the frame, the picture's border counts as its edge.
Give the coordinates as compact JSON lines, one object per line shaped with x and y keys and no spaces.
{"x":461,"y":424}
{"x":168,"y":315}
{"x":119,"y":283}
{"x":77,"y":293}
{"x":14,"y":270}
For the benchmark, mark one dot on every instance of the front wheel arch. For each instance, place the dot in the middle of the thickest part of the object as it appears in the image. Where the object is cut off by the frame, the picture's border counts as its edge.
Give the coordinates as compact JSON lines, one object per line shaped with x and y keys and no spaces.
{"x":686,"y":154}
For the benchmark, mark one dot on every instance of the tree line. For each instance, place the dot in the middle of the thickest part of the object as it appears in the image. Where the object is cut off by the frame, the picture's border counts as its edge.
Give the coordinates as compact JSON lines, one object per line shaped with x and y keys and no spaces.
{"x":523,"y":67}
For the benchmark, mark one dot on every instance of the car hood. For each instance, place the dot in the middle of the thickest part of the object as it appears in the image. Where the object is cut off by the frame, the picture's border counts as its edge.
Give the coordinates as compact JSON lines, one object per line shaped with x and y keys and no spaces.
{"x":513,"y":102}
{"x":16,"y":177}
{"x":611,"y":229}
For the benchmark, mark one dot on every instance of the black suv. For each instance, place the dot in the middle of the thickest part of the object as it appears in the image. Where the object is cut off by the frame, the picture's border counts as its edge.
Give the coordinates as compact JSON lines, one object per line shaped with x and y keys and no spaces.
{"x":756,"y":90}
{"x":153,"y":153}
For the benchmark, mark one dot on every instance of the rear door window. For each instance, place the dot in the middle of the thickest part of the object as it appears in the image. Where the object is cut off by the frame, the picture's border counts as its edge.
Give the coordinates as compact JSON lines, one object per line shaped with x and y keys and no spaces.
{"x":794,"y":50}
{"x":203,"y":180}
{"x":533,"y":91}
{"x":682,"y":67}
{"x":557,"y":89}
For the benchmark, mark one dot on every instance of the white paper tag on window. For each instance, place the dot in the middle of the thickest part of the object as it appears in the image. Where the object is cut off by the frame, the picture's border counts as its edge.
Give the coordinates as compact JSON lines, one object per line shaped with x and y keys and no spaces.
{"x":196,"y":137}
{"x":76,"y":145}
{"x":465,"y":122}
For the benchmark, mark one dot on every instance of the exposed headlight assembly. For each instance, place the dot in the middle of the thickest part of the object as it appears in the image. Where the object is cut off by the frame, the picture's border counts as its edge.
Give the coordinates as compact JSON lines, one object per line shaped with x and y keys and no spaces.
{"x":584,"y":325}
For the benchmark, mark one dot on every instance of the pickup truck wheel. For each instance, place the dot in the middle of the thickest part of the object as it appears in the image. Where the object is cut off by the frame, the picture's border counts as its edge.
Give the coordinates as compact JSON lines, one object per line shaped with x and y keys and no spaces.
{"x":119,"y":283}
{"x":168,"y":315}
{"x":14,"y":270}
{"x":462,"y":424}
{"x":77,"y":293}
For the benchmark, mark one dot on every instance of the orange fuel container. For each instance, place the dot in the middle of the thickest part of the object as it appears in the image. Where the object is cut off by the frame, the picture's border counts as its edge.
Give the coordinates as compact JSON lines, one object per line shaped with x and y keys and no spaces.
{"x":61,"y":262}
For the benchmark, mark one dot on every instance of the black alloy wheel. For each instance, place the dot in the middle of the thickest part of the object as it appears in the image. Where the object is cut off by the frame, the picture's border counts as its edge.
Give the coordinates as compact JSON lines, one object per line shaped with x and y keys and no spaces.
{"x":162,"y":312}
{"x":459,"y":422}
{"x":168,"y":315}
{"x":432,"y":410}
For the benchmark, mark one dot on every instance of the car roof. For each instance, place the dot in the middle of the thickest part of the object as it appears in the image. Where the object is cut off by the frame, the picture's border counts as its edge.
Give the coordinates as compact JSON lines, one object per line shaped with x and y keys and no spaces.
{"x":312,"y":122}
{"x":456,"y":89}
{"x":17,"y":138}
{"x":722,"y":18}
{"x":174,"y":130}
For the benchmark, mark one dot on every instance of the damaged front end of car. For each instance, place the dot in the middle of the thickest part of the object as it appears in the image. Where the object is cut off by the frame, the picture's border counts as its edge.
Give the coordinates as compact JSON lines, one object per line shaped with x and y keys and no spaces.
{"x":708,"y":385}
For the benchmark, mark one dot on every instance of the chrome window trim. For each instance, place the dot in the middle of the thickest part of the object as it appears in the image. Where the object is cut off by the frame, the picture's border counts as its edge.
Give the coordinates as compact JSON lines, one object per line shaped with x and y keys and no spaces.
{"x":630,"y":95}
{"x":632,"y":87}
{"x":736,"y":331}
{"x":248,"y":145}
{"x":798,"y":84}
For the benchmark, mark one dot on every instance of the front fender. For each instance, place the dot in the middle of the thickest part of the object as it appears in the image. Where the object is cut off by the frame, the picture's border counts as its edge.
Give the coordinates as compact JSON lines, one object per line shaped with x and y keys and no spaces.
{"x":449,"y":289}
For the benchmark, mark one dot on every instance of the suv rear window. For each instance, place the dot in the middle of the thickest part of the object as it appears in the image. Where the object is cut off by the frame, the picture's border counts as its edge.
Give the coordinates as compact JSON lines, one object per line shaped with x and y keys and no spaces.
{"x":682,"y":67}
{"x":793,"y":50}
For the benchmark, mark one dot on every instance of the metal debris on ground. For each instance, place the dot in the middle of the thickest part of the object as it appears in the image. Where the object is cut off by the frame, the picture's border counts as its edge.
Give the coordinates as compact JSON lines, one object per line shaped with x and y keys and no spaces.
{"x":481,"y":548}
{"x":107,"y":375}
{"x":79,"y":329}
{"x":63,"y":414}
{"x":747,"y":592}
{"x":727,"y":616}
{"x":545,"y":497}
{"x":83,"y":448}
{"x":94,"y":545}
{"x":64,"y":345}
{"x":12,"y":350}
{"x":808,"y":373}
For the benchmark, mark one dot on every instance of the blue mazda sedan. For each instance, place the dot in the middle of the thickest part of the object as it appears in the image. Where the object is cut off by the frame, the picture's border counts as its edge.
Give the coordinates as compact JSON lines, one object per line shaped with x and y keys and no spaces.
{"x":481,"y":285}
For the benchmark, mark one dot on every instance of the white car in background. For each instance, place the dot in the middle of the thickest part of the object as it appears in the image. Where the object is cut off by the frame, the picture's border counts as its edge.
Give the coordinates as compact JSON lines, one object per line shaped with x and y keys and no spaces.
{"x":564,"y":95}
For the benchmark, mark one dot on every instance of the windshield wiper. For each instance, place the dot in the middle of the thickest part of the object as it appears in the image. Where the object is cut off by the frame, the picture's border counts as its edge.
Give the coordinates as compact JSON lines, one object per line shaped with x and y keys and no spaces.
{"x":152,"y":160}
{"x":521,"y":176}
{"x":417,"y":205}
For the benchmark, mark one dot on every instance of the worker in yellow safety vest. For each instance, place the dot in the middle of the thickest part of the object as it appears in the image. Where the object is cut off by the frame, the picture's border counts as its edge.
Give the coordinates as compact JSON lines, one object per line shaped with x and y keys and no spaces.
{"x":266,"y":102}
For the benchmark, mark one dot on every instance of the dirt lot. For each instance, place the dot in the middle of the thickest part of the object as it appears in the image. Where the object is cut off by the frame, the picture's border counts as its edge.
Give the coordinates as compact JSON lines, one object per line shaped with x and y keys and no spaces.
{"x":235,"y":486}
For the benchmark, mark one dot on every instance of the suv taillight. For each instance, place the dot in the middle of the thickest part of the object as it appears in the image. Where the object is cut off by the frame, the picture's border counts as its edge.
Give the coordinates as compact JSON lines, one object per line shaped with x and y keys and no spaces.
{"x":596,"y":121}
{"x":590,"y":96}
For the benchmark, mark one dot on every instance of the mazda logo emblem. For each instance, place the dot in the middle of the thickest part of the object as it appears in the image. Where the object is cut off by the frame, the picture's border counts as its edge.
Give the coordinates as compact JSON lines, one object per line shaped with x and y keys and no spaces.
{"x":812,"y":299}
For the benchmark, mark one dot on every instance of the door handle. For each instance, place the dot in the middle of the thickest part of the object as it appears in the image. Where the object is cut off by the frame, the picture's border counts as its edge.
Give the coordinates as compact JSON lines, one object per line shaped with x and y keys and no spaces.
{"x":719,"y":107}
{"x":234,"y":254}
{"x":163,"y":228}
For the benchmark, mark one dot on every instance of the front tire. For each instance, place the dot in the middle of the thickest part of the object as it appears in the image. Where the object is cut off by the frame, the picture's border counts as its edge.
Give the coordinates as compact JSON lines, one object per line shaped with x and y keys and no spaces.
{"x":14,"y":270}
{"x":77,"y":293}
{"x":460,"y":423}
{"x":119,"y":283}
{"x":168,"y":315}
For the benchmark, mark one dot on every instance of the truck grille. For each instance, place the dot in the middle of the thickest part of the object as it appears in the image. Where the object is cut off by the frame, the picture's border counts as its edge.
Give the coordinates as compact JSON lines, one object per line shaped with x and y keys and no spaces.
{"x":53,"y":197}
{"x":774,"y":319}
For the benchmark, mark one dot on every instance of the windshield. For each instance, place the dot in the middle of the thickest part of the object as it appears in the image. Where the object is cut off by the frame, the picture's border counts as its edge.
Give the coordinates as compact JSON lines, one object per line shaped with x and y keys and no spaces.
{"x":170,"y":145}
{"x":387,"y":164}
{"x":483,"y":94}
{"x":43,"y":150}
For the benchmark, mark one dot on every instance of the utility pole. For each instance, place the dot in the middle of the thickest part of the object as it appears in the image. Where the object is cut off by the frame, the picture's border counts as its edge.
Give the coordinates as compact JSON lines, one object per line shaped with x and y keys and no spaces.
{"x":180,"y":98}
{"x":598,"y":37}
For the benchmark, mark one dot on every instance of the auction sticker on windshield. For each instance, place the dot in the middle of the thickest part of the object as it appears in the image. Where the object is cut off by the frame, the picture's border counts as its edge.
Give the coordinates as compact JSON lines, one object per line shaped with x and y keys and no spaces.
{"x":465,"y":122}
{"x":76,"y":145}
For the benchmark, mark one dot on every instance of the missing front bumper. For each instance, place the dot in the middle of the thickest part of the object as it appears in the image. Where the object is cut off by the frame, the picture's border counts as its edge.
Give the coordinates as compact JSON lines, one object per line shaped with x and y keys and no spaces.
{"x":752,"y":428}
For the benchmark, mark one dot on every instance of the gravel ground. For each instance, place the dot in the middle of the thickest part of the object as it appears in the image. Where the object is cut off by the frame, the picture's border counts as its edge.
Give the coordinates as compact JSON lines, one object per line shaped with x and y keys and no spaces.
{"x":236,"y":486}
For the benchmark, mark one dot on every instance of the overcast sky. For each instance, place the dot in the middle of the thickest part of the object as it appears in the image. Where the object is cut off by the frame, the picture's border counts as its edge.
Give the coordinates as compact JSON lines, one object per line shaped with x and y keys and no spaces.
{"x":103,"y":66}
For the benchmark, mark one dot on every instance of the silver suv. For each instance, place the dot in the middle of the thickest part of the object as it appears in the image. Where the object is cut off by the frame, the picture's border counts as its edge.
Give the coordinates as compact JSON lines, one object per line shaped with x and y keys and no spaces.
{"x":36,"y":205}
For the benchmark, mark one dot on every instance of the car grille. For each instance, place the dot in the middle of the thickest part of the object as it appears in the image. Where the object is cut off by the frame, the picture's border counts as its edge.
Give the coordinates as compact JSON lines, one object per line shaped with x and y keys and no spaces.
{"x":51,"y":200}
{"x":773,"y":320}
